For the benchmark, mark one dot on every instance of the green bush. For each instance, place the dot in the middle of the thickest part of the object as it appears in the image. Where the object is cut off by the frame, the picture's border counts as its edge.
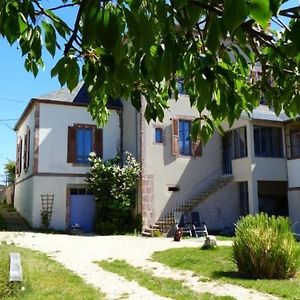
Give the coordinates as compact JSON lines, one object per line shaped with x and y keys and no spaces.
{"x":114,"y":183}
{"x":265,"y":247}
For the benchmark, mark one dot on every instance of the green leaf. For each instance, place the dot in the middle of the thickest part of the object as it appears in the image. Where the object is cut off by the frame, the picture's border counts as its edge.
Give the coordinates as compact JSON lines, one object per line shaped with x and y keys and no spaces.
{"x":73,"y":78}
{"x":294,"y":34}
{"x":274,"y":6}
{"x":235,"y":12}
{"x":260,"y":12}
{"x":213,"y":40}
{"x":50,"y":38}
{"x":59,"y":65}
{"x":180,"y":3}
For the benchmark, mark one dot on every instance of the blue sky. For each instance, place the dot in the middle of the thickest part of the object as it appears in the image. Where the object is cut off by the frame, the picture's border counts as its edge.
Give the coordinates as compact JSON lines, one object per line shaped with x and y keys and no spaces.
{"x":19,"y":86}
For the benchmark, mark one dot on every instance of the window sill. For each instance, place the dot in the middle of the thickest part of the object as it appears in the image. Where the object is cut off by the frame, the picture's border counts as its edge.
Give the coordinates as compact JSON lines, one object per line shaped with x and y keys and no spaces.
{"x":236,"y":158}
{"x":81,"y":164}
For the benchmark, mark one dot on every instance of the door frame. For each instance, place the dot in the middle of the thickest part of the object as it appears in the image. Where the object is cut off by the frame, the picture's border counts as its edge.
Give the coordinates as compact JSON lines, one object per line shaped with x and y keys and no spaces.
{"x":68,"y":201}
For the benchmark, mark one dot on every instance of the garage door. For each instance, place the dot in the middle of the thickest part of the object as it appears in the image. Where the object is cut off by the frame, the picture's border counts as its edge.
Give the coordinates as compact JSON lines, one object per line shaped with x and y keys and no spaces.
{"x":82,"y":211}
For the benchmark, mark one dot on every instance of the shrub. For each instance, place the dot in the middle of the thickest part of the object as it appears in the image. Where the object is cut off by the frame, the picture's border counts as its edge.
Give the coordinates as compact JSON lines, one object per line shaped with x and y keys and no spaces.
{"x":265,"y":247}
{"x":113,"y":183}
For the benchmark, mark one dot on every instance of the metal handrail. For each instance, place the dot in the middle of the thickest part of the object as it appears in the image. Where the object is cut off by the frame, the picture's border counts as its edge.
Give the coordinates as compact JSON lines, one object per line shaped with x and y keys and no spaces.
{"x":194,"y":191}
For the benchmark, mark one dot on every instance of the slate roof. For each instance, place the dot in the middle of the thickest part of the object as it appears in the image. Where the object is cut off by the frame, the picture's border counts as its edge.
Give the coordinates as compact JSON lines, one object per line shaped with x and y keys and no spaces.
{"x":264,"y":113}
{"x":78,"y":95}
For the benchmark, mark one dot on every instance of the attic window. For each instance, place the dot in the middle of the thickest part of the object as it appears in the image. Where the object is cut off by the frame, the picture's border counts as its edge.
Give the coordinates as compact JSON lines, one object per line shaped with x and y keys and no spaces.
{"x":173,"y":188}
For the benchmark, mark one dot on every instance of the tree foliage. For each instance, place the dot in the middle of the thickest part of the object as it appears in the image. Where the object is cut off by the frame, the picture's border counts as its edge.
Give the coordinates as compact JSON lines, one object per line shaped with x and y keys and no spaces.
{"x":135,"y":48}
{"x":10,"y":170}
{"x":114,"y":187}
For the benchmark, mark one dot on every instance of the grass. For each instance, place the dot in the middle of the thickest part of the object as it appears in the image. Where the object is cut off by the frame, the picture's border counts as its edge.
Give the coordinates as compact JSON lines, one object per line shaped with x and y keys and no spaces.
{"x":43,"y":279}
{"x":3,"y":224}
{"x":165,"y":287}
{"x":217,"y":265}
{"x":224,"y":238}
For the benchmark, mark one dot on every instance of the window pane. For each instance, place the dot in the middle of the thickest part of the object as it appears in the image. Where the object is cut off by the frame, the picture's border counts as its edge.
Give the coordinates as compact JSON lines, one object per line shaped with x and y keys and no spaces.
{"x":268,"y":141}
{"x":240,"y":142}
{"x":83,"y":144}
{"x":184,"y":137}
{"x":158,"y":135}
{"x":295,"y":143}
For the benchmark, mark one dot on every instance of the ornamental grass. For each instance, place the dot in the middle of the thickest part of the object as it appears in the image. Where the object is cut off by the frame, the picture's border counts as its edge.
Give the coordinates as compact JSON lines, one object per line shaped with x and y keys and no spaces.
{"x":265,"y":247}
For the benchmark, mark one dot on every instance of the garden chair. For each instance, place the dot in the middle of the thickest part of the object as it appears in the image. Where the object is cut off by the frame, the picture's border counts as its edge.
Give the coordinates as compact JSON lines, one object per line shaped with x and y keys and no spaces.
{"x":199,"y":229}
{"x":180,"y":222}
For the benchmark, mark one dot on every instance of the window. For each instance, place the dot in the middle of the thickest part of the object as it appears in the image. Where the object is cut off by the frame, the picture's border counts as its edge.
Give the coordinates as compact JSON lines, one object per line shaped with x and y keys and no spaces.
{"x":158,"y":135}
{"x":240,"y":142}
{"x":173,"y":188}
{"x":268,"y":141}
{"x":181,"y":140}
{"x":83,"y":139}
{"x":26,"y":150}
{"x":184,"y":137}
{"x":295,"y":143}
{"x":84,"y":144}
{"x":180,"y":87}
{"x":19,"y":156}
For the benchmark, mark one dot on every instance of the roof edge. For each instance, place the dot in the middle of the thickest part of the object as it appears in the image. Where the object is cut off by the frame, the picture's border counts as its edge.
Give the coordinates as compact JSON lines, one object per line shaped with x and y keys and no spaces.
{"x":34,"y":101}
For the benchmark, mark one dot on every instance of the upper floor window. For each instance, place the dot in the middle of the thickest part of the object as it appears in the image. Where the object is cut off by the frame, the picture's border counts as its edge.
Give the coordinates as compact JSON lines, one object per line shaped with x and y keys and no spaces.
{"x":268,"y":141}
{"x":240,"y":142}
{"x":158,"y":135}
{"x":82,"y":140}
{"x":182,"y":143}
{"x":26,"y":155}
{"x":180,"y":86}
{"x":84,"y":144}
{"x":19,"y":156}
{"x":184,"y":137}
{"x":295,"y":143}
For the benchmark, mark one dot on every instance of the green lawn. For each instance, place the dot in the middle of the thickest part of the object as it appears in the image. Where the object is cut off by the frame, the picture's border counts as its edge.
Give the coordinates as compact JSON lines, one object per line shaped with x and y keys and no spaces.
{"x":3,"y":225}
{"x":44,"y":279}
{"x":162,"y":286}
{"x":216,"y":264}
{"x":224,"y":238}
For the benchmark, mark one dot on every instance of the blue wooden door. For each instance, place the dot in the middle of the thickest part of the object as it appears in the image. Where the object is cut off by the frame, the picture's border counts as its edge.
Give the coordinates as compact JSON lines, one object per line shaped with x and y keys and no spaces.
{"x":82,"y":211}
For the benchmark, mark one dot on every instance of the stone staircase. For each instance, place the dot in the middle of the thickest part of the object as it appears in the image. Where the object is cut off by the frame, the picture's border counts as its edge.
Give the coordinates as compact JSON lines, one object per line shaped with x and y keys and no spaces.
{"x":165,"y":222}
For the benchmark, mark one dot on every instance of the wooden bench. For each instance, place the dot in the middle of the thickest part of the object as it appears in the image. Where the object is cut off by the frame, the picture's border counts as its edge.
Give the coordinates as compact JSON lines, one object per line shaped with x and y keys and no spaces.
{"x":15,"y":269}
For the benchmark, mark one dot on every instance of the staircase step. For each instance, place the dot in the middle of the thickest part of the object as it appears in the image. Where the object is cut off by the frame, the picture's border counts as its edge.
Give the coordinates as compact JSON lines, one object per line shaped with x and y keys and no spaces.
{"x":146,"y":234}
{"x":165,"y":223}
{"x":156,"y":226}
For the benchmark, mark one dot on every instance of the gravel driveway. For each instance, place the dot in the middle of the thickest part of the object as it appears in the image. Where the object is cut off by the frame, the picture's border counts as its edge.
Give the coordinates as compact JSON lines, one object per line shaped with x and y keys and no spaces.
{"x":78,"y":253}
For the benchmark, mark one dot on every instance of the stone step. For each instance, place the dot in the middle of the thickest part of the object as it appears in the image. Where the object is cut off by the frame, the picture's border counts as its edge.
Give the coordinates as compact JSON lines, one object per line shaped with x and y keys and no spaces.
{"x":146,"y":234}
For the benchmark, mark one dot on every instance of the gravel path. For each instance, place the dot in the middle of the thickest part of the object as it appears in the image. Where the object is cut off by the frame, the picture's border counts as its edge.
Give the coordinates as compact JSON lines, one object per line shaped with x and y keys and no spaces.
{"x":78,"y":253}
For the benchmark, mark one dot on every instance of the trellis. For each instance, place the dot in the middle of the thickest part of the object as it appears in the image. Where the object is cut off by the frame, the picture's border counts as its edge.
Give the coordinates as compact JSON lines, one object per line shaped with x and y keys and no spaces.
{"x":47,"y":208}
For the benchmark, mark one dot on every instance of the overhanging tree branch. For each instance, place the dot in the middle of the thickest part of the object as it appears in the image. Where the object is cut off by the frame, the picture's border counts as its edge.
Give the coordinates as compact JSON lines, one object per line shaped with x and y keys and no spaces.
{"x":76,"y":28}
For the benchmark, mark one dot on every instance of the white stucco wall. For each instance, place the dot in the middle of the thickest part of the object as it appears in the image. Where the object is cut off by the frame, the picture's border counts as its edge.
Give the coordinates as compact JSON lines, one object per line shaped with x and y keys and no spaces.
{"x":57,"y":186}
{"x":53,"y":137}
{"x":29,"y":121}
{"x":23,"y":202}
{"x":130,"y":128}
{"x":182,"y":171}
{"x":24,"y":185}
{"x":221,"y":209}
{"x":293,"y":166}
{"x":294,"y":209}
